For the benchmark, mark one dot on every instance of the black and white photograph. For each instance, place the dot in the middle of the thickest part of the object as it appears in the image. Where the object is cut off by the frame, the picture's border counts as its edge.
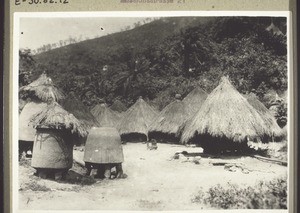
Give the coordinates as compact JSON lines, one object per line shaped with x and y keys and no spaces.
{"x":131,"y":111}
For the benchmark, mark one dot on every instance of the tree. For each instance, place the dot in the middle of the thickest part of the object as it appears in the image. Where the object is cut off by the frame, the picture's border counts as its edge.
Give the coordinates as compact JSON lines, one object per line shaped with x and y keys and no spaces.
{"x":26,"y":66}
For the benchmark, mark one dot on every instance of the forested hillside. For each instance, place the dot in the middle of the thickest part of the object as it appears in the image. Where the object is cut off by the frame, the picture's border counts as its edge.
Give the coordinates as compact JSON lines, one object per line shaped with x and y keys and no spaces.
{"x":168,"y":56}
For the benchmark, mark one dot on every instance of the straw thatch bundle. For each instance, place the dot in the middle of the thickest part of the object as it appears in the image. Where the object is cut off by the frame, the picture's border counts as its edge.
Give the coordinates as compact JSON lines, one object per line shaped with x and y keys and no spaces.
{"x":225,"y":117}
{"x":79,"y":110}
{"x":136,"y":121}
{"x":43,"y":89}
{"x":166,"y":125}
{"x":195,"y":99}
{"x":105,"y":116}
{"x":118,"y":106}
{"x":265,"y":113}
{"x":55,"y":117}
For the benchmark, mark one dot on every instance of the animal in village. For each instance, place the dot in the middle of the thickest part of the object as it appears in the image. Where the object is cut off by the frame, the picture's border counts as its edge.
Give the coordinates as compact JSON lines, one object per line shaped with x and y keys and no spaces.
{"x":152,"y":145}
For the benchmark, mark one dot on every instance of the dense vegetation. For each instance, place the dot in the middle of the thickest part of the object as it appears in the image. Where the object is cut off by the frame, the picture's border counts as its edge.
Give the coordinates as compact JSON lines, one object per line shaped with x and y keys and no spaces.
{"x":265,"y":195}
{"x":168,"y":56}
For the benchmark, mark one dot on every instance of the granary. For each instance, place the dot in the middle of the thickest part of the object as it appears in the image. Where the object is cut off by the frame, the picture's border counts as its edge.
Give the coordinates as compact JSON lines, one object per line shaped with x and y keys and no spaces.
{"x":103,"y":150}
{"x":135,"y":124}
{"x":37,"y":94}
{"x":268,"y":118}
{"x":53,"y":146}
{"x":165,"y":127}
{"x":118,"y":106}
{"x":225,"y":122}
{"x":195,"y":99}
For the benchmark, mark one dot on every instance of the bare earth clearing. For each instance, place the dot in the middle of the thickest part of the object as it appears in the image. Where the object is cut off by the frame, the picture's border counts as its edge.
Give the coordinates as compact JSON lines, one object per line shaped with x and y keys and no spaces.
{"x":155,"y":182}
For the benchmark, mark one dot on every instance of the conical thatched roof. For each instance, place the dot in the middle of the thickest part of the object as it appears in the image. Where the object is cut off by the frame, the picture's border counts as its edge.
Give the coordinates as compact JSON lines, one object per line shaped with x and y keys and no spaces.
{"x":118,"y":106}
{"x":105,"y":116}
{"x":265,"y":113}
{"x":73,"y":105}
{"x":226,"y":114}
{"x":137,"y":118}
{"x":43,"y":89}
{"x":170,"y":119}
{"x":55,"y":117}
{"x":195,"y":99}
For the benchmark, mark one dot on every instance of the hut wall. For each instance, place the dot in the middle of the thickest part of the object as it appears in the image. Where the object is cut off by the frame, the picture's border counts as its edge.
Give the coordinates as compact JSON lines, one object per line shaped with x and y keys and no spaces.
{"x":27,"y":132}
{"x":52,"y":149}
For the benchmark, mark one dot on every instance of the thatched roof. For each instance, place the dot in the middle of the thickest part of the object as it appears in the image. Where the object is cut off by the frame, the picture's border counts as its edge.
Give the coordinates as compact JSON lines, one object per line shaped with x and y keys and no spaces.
{"x":137,"y":118}
{"x":226,"y":114}
{"x":118,"y":106}
{"x":55,"y":117}
{"x":170,"y":118}
{"x":195,"y":99}
{"x":105,"y":116}
{"x":44,"y":89}
{"x":73,"y":105}
{"x":265,"y":113}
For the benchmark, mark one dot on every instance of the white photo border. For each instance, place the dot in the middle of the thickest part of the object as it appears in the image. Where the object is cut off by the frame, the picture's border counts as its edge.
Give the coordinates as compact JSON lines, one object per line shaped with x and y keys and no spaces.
{"x":90,"y":14}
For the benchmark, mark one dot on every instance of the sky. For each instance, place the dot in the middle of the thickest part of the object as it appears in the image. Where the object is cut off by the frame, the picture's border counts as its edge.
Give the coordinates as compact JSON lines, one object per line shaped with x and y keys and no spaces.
{"x":35,"y":32}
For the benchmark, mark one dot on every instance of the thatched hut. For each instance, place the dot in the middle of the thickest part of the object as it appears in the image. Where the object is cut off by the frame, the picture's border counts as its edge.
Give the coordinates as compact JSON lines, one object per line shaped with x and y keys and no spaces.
{"x":105,"y":116}
{"x":38,"y":93}
{"x":165,"y":127}
{"x":195,"y":99}
{"x":43,"y":89}
{"x":53,"y":145}
{"x":225,"y":121}
{"x":136,"y":122}
{"x":265,"y":113}
{"x":118,"y":106}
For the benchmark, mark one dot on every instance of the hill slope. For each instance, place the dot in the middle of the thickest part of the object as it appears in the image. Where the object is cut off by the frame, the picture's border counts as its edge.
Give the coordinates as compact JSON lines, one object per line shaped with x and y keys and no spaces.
{"x":169,"y":56}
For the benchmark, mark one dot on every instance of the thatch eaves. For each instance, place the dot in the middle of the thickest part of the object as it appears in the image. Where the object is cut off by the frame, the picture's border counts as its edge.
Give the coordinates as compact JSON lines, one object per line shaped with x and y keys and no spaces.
{"x":226,"y":114}
{"x":55,"y":117}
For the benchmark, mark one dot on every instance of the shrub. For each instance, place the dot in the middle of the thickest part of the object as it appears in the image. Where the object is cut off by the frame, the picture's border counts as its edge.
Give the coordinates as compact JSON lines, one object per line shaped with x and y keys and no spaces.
{"x":264,"y":195}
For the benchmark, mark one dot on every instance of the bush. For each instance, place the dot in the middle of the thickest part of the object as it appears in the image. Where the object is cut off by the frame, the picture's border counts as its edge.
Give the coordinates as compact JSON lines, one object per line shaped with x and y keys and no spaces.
{"x":265,"y":195}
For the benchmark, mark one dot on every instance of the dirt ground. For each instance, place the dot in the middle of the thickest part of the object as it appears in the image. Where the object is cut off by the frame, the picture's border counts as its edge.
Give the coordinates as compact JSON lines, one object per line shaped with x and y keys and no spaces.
{"x":155,"y":181}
